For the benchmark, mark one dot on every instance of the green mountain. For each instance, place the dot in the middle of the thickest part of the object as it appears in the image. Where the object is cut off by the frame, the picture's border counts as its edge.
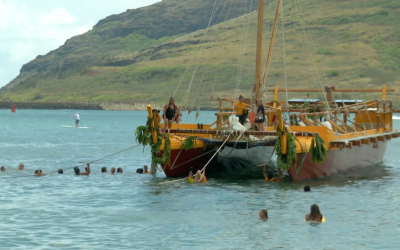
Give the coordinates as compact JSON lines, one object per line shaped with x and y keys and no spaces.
{"x":147,"y":54}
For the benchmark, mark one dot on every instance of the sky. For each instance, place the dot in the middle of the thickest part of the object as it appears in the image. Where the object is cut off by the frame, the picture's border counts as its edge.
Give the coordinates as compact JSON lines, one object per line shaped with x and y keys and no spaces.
{"x":30,"y":28}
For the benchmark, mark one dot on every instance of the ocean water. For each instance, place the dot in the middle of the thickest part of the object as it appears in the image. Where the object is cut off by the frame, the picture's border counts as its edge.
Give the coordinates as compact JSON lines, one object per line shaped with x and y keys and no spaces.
{"x":131,"y":211}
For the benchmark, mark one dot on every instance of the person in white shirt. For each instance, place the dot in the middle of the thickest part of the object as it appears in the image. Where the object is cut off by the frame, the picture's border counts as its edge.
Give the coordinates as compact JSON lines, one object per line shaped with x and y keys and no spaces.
{"x":76,"y":117}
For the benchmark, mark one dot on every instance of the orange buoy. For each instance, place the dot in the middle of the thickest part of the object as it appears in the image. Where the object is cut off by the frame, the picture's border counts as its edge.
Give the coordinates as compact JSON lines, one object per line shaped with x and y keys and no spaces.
{"x":252,"y":116}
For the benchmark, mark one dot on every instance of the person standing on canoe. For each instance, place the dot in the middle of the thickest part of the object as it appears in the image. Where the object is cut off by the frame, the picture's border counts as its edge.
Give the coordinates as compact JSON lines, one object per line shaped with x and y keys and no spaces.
{"x":76,"y":117}
{"x":240,"y":107}
{"x":171,"y":114}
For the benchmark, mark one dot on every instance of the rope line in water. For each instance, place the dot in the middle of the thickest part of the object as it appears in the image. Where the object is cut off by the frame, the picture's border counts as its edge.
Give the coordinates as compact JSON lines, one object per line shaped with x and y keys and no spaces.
{"x":81,"y":164}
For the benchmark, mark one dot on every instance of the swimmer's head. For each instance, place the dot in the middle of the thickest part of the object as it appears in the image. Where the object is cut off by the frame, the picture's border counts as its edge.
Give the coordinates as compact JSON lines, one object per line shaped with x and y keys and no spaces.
{"x":190,"y":174}
{"x":269,"y":176}
{"x":60,"y":171}
{"x":139,"y":170}
{"x":263,"y":214}
{"x":37,"y":172}
{"x":119,"y":170}
{"x":3,"y":168}
{"x":104,"y":170}
{"x":77,"y":171}
{"x":314,"y":210}
{"x":21,"y":166}
{"x":307,"y":189}
{"x":112,"y":170}
{"x":145,"y":168}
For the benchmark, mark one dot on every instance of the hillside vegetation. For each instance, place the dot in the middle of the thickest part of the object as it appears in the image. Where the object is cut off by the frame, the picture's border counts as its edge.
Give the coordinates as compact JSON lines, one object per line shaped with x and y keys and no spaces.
{"x":143,"y":55}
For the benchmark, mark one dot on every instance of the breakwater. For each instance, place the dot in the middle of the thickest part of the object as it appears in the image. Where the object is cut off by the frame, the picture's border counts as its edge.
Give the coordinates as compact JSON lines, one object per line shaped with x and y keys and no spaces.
{"x":76,"y":105}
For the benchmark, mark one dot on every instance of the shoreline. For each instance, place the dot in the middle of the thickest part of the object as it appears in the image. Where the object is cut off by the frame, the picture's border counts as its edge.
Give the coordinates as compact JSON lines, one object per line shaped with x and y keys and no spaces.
{"x":83,"y":106}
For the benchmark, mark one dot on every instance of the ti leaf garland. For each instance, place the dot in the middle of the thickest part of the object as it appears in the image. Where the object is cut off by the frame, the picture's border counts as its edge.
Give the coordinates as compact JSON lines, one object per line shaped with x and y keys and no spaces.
{"x":318,"y":149}
{"x":189,"y":143}
{"x":144,"y":137}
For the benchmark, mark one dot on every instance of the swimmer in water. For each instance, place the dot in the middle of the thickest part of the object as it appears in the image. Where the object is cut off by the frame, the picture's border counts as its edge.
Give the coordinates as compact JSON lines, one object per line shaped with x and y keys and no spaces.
{"x":21,"y":166}
{"x":119,"y":170}
{"x":189,"y":178}
{"x":263,"y":214}
{"x":200,"y":177}
{"x":104,"y":170}
{"x":60,"y":171}
{"x":145,"y":170}
{"x":269,"y":177}
{"x":112,"y":170}
{"x":3,"y":168}
{"x":307,"y":189}
{"x":139,"y":171}
{"x":39,"y":173}
{"x":315,"y":215}
{"x":77,"y":170}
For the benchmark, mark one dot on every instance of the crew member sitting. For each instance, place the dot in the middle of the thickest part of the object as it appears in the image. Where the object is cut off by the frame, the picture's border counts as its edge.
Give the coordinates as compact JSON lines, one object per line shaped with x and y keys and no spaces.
{"x":157,"y":117}
{"x":171,"y":114}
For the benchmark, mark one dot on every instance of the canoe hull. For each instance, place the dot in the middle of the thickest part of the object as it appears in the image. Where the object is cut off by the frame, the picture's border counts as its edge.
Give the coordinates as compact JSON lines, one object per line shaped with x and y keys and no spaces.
{"x":228,"y":162}
{"x":339,"y":161}
{"x":181,"y":161}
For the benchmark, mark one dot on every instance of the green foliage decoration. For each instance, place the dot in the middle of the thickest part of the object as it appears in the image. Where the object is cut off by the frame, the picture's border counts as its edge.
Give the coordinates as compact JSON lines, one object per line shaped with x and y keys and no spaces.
{"x":285,"y":160}
{"x":189,"y":143}
{"x":318,"y":149}
{"x":144,"y":137}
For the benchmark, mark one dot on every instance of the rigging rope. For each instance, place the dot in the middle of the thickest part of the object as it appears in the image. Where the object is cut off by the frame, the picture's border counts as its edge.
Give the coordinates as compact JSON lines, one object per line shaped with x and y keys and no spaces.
{"x":201,"y":51}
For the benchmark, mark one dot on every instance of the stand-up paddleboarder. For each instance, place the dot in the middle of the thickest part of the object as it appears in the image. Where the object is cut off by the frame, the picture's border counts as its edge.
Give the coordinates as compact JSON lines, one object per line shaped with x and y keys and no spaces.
{"x":76,"y":117}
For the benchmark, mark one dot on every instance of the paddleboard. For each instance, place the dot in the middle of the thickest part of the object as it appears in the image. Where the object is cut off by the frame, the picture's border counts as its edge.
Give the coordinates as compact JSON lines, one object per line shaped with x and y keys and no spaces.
{"x":396,"y":118}
{"x":64,"y":126}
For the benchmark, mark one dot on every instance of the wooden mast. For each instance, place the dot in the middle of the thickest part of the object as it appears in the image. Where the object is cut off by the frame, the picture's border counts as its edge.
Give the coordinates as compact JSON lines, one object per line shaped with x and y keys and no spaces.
{"x":259,"y":49}
{"x":264,"y":79}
